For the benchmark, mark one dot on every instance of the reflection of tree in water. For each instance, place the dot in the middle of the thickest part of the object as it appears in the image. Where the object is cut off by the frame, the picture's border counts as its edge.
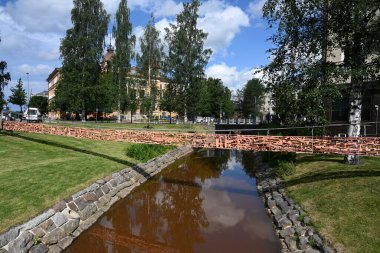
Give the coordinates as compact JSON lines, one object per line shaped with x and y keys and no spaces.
{"x":247,"y":160}
{"x":165,"y":213}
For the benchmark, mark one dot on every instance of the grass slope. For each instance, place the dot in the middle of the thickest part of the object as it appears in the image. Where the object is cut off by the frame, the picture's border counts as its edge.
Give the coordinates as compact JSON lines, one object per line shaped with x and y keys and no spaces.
{"x":343,"y":200}
{"x":36,"y":171}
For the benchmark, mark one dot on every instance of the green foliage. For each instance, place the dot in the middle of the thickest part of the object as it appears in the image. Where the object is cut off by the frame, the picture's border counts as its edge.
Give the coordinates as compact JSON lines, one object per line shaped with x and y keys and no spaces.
{"x":121,"y":63}
{"x":186,"y":60}
{"x":18,"y":96}
{"x":284,"y":169}
{"x":302,"y":77}
{"x":145,"y":152}
{"x":253,"y":98}
{"x":81,"y":52}
{"x":149,"y":64}
{"x":39,"y":102}
{"x":275,"y":157}
{"x":5,"y":77}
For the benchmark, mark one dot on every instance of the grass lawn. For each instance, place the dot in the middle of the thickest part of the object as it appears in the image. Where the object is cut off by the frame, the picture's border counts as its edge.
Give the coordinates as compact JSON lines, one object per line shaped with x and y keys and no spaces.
{"x":37,"y":170}
{"x":343,"y":201}
{"x":142,"y":126}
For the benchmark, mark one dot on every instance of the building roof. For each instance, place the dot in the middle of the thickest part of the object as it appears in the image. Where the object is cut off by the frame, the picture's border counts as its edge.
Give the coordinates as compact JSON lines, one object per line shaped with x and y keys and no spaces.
{"x":41,"y":94}
{"x":52,"y":74}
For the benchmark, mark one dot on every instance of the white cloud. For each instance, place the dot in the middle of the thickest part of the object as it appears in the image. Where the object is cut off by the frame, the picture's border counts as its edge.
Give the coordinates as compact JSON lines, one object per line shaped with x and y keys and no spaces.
{"x":216,"y":12}
{"x":231,"y":76}
{"x":39,"y":69}
{"x":255,"y":8}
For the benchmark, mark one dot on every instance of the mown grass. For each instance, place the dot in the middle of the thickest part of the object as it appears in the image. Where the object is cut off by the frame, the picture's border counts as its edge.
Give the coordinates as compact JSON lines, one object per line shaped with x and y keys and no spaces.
{"x":343,"y":200}
{"x":37,"y":170}
{"x":142,"y":126}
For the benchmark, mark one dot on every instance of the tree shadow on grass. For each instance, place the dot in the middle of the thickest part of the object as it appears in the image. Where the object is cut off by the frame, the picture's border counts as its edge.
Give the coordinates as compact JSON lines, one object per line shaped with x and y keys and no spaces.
{"x":319,"y":158}
{"x":316,"y":177}
{"x":134,"y":166}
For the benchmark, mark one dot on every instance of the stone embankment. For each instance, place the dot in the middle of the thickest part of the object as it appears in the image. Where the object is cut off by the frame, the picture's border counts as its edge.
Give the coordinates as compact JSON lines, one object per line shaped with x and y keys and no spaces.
{"x":55,"y":229}
{"x":291,"y":222}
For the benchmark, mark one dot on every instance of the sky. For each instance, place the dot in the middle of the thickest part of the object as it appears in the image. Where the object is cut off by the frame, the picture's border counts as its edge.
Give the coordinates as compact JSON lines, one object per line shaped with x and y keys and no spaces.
{"x":31,"y":32}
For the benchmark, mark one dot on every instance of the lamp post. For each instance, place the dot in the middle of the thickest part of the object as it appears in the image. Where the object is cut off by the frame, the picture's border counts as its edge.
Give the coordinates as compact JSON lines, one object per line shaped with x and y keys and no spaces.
{"x":28,"y":100}
{"x":377,"y":116}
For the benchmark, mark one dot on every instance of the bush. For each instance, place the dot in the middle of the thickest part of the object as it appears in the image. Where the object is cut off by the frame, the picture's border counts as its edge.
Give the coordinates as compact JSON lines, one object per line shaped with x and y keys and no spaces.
{"x":145,"y":152}
{"x":285,"y":169}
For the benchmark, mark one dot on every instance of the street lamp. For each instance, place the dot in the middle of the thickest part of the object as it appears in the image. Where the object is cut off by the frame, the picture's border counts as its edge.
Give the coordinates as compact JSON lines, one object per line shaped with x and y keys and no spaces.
{"x":27,"y":76}
{"x":377,"y":116}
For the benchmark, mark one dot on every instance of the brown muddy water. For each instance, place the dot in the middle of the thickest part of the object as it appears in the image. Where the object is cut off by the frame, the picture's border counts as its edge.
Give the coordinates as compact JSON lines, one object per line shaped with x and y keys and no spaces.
{"x":205,"y":202}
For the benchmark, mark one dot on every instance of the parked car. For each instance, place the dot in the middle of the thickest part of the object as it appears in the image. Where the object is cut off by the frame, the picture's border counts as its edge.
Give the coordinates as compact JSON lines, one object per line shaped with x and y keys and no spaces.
{"x":32,"y":114}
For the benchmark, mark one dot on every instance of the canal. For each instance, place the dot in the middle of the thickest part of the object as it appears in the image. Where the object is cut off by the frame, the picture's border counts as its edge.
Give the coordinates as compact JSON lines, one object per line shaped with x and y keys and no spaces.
{"x":205,"y":202}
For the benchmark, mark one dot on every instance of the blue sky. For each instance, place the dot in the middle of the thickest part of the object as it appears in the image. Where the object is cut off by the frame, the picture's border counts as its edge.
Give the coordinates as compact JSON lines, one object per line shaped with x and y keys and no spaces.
{"x":31,"y":32}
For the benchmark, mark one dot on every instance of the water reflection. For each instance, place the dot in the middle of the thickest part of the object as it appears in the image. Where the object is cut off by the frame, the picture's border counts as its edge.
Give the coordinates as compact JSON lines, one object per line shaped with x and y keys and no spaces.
{"x":205,"y":202}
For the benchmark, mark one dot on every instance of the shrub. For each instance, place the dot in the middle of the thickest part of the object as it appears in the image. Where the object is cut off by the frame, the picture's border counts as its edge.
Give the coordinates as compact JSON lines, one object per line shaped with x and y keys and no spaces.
{"x":145,"y":152}
{"x":285,"y":169}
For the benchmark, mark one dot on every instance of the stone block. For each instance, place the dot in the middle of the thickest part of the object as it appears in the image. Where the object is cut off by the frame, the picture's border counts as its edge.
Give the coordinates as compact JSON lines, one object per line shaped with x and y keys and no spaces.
{"x":70,"y":214}
{"x":38,"y":231}
{"x":39,"y":248}
{"x":65,"y":242}
{"x":54,"y":249}
{"x":37,"y":220}
{"x":58,"y":207}
{"x":53,"y":237}
{"x":99,"y":193}
{"x":59,"y":219}
{"x":105,"y":189}
{"x":87,"y":211}
{"x":90,"y":197}
{"x":285,"y":223}
{"x":8,"y":236}
{"x":81,"y":203}
{"x":48,"y":225}
{"x":21,"y":244}
{"x":70,"y":226}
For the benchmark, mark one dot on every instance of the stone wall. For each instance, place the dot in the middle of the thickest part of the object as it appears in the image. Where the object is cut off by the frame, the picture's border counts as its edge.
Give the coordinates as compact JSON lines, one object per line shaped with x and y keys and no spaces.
{"x":364,"y":146}
{"x":55,"y":229}
{"x":293,"y":226}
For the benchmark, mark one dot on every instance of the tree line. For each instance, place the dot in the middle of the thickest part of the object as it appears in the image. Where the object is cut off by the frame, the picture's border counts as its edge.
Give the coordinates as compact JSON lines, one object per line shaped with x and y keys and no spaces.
{"x":85,"y":86}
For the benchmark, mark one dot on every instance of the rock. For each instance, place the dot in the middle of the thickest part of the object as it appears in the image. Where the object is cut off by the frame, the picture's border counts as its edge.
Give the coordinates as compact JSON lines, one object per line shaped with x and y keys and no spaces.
{"x":70,"y":226}
{"x":73,"y":206}
{"x":70,"y":214}
{"x":54,"y":249}
{"x":290,"y":243}
{"x":81,"y":203}
{"x":285,"y":223}
{"x":271,"y":203}
{"x":88,"y":211}
{"x":87,"y":223}
{"x":65,"y":242}
{"x":306,"y":220}
{"x":327,"y":249}
{"x":99,"y":193}
{"x":59,"y":219}
{"x":53,"y":237}
{"x":3,"y":251}
{"x":310,"y":232}
{"x":90,"y":197}
{"x":48,"y":225}
{"x":311,"y":251}
{"x":317,"y":240}
{"x":8,"y":236}
{"x":113,"y":183}
{"x":38,"y":220}
{"x":287,"y":232}
{"x":303,"y":242}
{"x":58,"y":207}
{"x":78,"y":194}
{"x":105,"y":189}
{"x":100,"y":182}
{"x":275,"y":210}
{"x":39,"y":248}
{"x":21,"y":244}
{"x":38,"y":231}
{"x":284,"y":206}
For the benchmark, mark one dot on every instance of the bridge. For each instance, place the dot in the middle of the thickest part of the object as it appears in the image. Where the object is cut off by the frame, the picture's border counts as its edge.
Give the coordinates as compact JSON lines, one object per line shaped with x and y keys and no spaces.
{"x":363,"y":146}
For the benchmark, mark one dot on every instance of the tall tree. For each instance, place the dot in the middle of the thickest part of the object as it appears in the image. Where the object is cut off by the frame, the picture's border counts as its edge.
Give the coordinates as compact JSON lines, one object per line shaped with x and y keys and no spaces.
{"x":5,"y":78}
{"x":18,"y":96}
{"x":124,"y":52}
{"x":39,"y":102}
{"x":81,"y":52}
{"x":149,"y":63}
{"x":253,"y":98}
{"x":187,"y":58}
{"x":309,"y":35}
{"x":168,"y":99}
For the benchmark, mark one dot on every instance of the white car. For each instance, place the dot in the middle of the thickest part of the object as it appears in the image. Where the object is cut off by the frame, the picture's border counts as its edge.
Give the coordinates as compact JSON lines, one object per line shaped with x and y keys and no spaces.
{"x":32,"y":114}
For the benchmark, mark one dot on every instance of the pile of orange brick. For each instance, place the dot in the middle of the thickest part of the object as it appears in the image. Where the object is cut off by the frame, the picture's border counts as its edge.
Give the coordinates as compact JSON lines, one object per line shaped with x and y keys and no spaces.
{"x":364,"y":146}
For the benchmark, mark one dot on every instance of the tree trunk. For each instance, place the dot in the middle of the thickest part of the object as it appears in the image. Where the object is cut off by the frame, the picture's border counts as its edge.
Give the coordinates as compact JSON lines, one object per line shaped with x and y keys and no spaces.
{"x":355,"y":116}
{"x":170,"y":113}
